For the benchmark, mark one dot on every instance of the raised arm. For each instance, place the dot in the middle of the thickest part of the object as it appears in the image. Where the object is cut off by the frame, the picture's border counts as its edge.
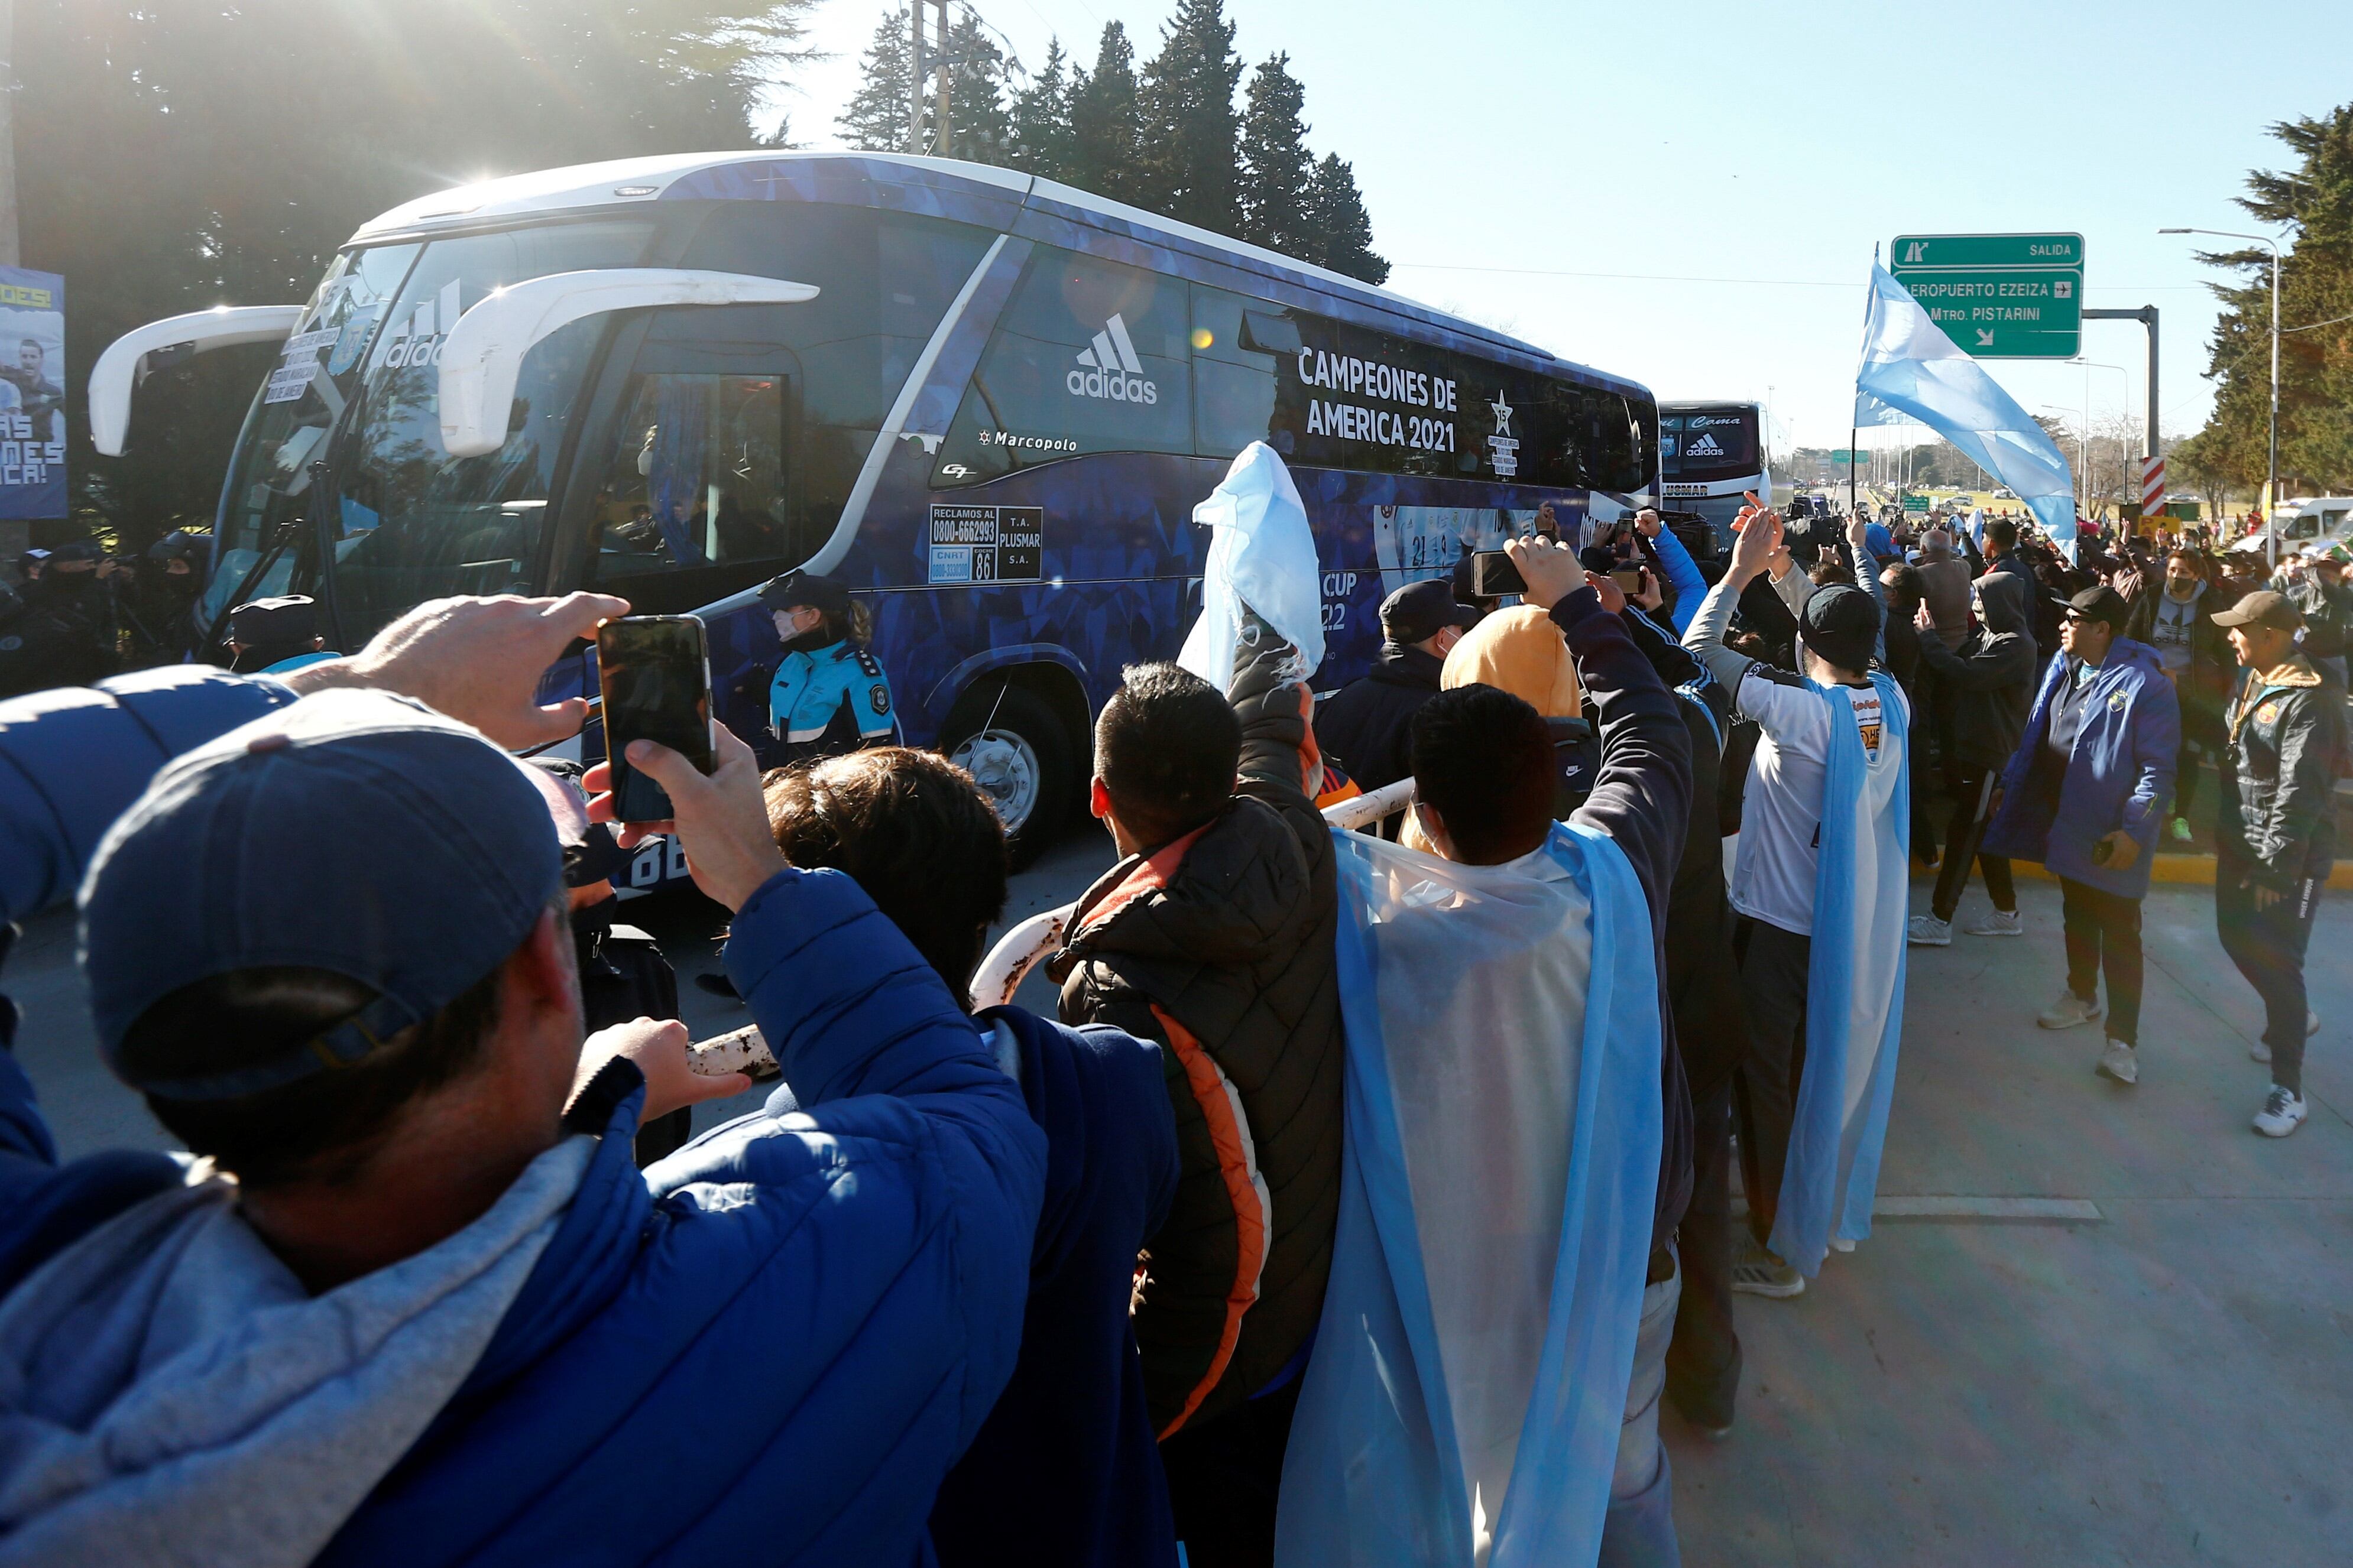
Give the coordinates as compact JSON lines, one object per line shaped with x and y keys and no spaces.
{"x":1641,"y":791}
{"x":1682,"y":572}
{"x":1756,"y":542}
{"x":1279,"y":761}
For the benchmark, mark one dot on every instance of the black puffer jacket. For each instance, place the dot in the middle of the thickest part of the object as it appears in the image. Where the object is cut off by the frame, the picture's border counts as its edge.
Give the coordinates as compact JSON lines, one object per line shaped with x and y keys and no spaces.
{"x":1364,"y":725}
{"x":2278,"y":810}
{"x":1219,"y":947}
{"x":1991,"y":681}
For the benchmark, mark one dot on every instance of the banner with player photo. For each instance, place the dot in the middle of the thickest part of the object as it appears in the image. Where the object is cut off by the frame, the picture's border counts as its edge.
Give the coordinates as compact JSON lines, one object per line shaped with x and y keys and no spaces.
{"x":32,"y":395}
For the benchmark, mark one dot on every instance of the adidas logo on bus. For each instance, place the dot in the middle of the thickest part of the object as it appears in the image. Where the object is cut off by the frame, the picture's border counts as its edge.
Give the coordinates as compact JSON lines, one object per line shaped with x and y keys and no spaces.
{"x":1111,"y":370}
{"x":1705,"y":446}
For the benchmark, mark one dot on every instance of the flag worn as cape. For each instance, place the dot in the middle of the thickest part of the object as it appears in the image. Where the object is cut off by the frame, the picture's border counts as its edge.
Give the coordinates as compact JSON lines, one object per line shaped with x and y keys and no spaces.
{"x":1502,"y":1138}
{"x":1854,"y":986}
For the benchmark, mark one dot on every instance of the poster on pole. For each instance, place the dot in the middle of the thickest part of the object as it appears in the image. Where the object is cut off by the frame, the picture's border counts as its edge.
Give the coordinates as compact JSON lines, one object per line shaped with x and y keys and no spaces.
{"x":32,"y":395}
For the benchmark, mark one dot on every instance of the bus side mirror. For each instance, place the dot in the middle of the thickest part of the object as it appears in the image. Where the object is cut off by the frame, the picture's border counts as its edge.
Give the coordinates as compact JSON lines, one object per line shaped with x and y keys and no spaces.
{"x":1265,"y":335}
{"x":482,"y":360}
{"x":127,"y":359}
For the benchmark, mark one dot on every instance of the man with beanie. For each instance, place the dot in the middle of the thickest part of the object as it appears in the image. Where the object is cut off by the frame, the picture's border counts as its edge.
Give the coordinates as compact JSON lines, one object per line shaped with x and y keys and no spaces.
{"x":1365,"y":723}
{"x":2083,"y":794}
{"x":1820,"y":884}
{"x":439,"y":1316}
{"x":2275,"y":835}
{"x":1989,"y":685}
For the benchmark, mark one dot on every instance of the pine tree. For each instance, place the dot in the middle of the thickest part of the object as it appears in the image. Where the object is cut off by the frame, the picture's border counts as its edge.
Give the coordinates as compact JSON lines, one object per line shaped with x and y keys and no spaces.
{"x":1191,"y":132}
{"x":1042,"y":118}
{"x":979,"y":128}
{"x":1277,"y":171}
{"x":876,"y":119}
{"x":2316,"y":422}
{"x":1106,"y":156}
{"x":1344,"y":231}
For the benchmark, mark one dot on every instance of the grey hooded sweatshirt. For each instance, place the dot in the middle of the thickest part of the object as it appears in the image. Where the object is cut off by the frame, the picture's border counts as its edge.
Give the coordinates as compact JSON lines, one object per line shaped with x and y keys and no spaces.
{"x":1990,"y":679}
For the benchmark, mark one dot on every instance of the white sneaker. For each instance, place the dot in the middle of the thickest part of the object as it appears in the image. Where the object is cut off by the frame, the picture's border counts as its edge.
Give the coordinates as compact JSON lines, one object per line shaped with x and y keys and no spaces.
{"x":2000,"y":922}
{"x":1841,"y":1243}
{"x":2120,"y":1062}
{"x":2259,"y":1051}
{"x":2067,"y":1012}
{"x":2282,"y":1113}
{"x":1927,"y":930}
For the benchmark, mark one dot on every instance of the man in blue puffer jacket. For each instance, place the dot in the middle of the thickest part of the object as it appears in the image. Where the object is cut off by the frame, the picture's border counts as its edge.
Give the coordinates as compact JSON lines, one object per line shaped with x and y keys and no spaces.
{"x":486,"y":1338}
{"x":2084,"y":794}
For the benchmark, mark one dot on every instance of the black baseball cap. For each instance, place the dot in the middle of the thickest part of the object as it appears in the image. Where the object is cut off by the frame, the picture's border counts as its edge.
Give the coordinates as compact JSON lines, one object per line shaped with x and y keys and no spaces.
{"x":78,"y":550}
{"x":1841,"y":622}
{"x":2263,"y":608}
{"x":1419,"y":611}
{"x":2098,"y":603}
{"x":265,"y":623}
{"x":797,"y":588}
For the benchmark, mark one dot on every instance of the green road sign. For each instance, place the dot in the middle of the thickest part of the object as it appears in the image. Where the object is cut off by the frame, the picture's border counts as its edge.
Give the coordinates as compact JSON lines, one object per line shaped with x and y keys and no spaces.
{"x":1999,"y":295}
{"x":1847,"y":458}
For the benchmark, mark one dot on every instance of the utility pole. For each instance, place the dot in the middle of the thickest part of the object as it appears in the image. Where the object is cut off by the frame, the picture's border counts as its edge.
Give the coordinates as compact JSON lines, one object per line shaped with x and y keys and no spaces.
{"x":943,"y":76}
{"x":9,"y":253}
{"x":916,"y":78}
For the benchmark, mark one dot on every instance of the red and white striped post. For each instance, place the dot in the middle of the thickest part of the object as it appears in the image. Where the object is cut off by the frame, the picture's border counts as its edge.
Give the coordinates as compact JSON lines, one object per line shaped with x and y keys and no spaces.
{"x":2152,"y":490}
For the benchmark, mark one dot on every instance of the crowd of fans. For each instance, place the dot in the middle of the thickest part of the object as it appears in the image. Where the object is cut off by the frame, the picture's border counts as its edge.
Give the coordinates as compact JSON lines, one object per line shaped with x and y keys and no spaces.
{"x":443,"y":1277}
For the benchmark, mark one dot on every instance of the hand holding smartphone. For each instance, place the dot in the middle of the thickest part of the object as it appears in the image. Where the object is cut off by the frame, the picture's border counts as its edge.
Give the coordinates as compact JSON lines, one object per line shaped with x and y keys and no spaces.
{"x":655,"y":674}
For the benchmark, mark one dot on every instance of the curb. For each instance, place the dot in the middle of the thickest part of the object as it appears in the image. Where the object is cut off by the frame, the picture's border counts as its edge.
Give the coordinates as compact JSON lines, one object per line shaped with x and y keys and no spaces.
{"x":2177,"y":870}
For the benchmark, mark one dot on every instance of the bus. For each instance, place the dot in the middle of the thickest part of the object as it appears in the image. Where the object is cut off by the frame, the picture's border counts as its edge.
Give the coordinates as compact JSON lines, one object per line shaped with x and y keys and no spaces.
{"x":984,"y":401}
{"x":1710,"y":453}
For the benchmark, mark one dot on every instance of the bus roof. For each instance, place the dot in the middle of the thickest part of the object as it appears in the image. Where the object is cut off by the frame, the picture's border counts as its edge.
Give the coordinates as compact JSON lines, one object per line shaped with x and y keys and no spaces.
{"x":952,"y":188}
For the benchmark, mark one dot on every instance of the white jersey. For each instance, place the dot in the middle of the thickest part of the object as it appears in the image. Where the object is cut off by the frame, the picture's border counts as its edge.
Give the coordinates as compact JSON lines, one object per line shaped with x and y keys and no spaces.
{"x":1780,"y":815}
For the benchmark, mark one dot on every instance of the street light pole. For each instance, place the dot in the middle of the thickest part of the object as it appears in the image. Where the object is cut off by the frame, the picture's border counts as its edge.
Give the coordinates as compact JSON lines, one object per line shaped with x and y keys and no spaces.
{"x":2271,"y":464}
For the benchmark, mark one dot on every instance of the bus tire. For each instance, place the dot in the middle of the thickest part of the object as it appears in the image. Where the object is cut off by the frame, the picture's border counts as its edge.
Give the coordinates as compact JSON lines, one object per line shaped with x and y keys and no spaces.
{"x":1013,"y":744}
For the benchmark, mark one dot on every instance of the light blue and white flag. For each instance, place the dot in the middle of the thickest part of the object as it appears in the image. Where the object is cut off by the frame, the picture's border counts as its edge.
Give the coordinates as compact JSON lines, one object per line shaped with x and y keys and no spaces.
{"x":1500,"y":1166}
{"x":1912,"y":370}
{"x":1855,"y":984}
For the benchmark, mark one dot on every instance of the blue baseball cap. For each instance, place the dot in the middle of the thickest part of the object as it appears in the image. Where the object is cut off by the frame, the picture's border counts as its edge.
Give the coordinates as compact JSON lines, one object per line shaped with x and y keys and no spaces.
{"x":353,"y":831}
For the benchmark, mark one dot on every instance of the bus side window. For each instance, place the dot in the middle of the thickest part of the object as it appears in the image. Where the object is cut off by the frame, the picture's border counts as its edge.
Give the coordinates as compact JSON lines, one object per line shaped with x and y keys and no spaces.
{"x":1089,"y":356}
{"x":698,"y":477}
{"x":1233,"y":387}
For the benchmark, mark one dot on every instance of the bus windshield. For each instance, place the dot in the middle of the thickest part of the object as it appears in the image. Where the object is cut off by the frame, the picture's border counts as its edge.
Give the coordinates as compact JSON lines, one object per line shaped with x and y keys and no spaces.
{"x":357,"y":392}
{"x":1700,"y":446}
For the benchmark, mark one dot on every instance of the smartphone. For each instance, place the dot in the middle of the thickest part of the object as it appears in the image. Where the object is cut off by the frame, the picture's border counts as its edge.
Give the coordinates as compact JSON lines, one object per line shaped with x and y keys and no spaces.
{"x":655,"y":672}
{"x":1492,"y":576}
{"x":1630,"y":581}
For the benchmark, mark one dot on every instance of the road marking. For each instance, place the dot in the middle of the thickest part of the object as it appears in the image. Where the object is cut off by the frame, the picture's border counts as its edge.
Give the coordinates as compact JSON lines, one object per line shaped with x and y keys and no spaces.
{"x":2046,"y":1210}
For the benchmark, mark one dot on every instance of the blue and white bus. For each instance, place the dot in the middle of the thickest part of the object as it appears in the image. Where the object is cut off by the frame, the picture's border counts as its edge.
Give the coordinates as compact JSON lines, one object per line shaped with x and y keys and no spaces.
{"x":1710,"y":455}
{"x":986,"y":401}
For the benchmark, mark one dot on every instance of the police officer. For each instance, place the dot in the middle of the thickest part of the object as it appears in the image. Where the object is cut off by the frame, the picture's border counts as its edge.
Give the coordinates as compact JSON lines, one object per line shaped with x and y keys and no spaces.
{"x":63,"y":635}
{"x":157,"y":600}
{"x":828,"y":694}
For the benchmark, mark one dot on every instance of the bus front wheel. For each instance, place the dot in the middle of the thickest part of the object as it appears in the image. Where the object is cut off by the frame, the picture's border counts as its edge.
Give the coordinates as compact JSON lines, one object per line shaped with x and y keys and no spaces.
{"x":1015,"y":747}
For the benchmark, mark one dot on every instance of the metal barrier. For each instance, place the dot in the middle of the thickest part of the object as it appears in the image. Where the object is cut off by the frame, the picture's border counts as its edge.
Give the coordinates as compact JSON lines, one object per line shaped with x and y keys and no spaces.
{"x":1020,"y":950}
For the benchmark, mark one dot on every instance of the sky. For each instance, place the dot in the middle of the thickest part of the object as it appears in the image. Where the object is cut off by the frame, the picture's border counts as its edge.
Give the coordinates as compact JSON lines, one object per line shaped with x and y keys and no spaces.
{"x":1688,"y":195}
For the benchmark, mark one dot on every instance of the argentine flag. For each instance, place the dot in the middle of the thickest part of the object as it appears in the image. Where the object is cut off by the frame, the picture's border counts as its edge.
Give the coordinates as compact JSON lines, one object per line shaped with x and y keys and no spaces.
{"x":1912,"y":370}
